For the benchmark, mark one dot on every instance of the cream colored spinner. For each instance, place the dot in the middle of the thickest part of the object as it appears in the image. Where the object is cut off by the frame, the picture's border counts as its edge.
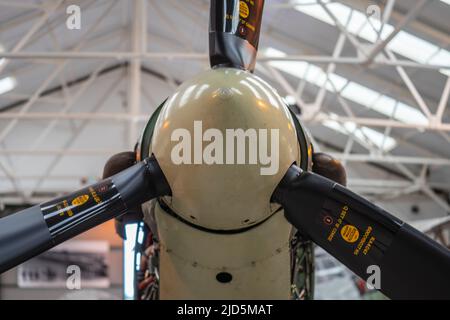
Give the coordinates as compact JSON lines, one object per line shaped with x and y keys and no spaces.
{"x":223,"y":196}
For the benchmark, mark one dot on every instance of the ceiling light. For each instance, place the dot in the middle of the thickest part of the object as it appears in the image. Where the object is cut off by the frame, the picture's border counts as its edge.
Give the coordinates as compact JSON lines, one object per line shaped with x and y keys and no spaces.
{"x":7,"y":84}
{"x":290,"y":100}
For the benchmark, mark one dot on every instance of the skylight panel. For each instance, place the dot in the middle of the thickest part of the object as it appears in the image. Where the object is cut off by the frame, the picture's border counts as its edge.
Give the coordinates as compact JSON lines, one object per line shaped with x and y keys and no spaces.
{"x":406,"y":114}
{"x":385,"y":105}
{"x":404,"y":43}
{"x":382,"y":142}
{"x":360,"y":94}
{"x":445,"y":72}
{"x":441,"y":58}
{"x":304,"y":70}
{"x":315,"y":11}
{"x":413,"y":47}
{"x":355,"y":92}
{"x":337,"y":82}
{"x":364,"y":135}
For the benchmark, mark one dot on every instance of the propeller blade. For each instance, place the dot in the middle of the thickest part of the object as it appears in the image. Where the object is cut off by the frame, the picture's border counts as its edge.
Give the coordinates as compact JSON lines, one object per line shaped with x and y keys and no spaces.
{"x":39,"y":228}
{"x":364,"y":237}
{"x":234,"y":33}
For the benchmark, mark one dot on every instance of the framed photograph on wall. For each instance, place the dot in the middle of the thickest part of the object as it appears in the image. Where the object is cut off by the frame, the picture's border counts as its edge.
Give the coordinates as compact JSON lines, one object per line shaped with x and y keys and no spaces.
{"x":76,"y":263}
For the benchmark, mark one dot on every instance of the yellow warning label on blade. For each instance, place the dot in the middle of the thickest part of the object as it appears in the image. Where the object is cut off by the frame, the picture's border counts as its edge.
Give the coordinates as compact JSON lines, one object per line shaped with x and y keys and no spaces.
{"x":349,"y":233}
{"x":244,"y":11}
{"x":78,"y":201}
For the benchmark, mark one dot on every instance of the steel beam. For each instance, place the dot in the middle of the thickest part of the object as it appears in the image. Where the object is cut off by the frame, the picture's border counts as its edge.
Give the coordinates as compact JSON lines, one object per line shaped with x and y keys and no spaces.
{"x":138,"y":35}
{"x":381,"y":45}
{"x":390,"y":159}
{"x":196,"y":56}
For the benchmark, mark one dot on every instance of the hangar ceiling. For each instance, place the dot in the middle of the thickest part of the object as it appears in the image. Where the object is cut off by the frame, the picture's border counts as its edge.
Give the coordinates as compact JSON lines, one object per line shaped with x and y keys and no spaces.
{"x":369,"y":79}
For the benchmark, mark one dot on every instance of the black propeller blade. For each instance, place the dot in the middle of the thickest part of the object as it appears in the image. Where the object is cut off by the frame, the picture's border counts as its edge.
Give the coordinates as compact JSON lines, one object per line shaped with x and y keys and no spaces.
{"x":39,"y":228}
{"x":234,"y":33}
{"x":362,"y":235}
